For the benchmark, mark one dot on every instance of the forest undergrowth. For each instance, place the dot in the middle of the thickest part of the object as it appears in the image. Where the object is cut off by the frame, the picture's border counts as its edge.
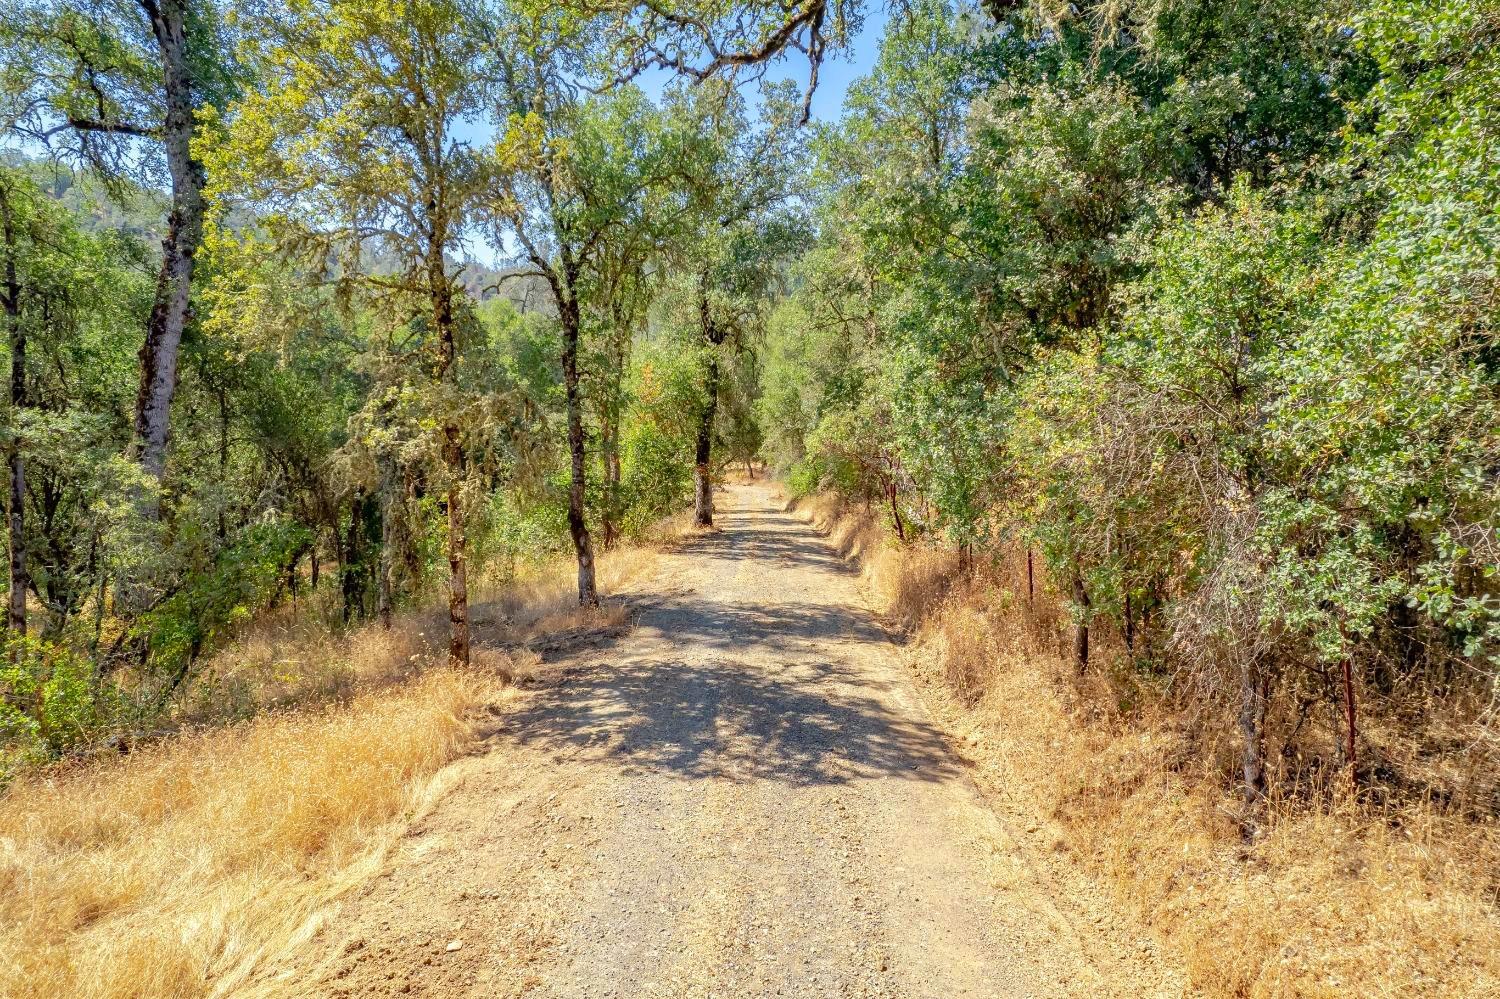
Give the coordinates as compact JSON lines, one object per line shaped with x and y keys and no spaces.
{"x":1392,"y":893}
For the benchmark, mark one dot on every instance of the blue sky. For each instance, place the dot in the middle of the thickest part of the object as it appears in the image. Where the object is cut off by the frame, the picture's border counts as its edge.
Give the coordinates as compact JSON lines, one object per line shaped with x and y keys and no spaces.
{"x":836,"y":75}
{"x":833,"y":78}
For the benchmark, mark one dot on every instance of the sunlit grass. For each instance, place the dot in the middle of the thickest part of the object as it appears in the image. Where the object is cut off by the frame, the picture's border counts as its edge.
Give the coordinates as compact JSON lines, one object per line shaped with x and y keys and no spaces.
{"x":167,"y":870}
{"x":183,"y":867}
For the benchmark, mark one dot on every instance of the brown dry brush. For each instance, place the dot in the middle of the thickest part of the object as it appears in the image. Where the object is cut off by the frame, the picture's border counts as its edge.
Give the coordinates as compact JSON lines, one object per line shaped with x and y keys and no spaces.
{"x":1140,"y":764}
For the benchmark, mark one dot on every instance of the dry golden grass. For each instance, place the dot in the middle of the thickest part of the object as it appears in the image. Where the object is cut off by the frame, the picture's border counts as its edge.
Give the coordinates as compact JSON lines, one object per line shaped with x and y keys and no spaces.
{"x":544,"y":601}
{"x":669,"y":532}
{"x":179,"y":869}
{"x":295,"y":657}
{"x":854,"y":533}
{"x":1333,"y":900}
{"x":296,"y":660}
{"x":176,"y":870}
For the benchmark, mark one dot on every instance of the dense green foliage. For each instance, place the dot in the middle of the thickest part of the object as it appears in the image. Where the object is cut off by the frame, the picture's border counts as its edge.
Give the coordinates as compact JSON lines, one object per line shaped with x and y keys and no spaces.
{"x":1194,"y":300}
{"x":353,"y":390}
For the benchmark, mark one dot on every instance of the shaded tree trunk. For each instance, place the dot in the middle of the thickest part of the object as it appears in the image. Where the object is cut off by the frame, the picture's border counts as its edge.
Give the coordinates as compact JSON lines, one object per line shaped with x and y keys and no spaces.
{"x":1351,"y":747}
{"x":453,"y":454}
{"x":611,"y":405}
{"x":223,"y":394}
{"x":713,"y":336}
{"x":609,"y":466}
{"x":458,"y":559}
{"x":1252,"y":722}
{"x":703,"y":490}
{"x":19,"y":576}
{"x":169,"y":308}
{"x":386,"y":582}
{"x":578,"y":528}
{"x":896,"y":512}
{"x":1081,"y":629}
{"x":354,"y":570}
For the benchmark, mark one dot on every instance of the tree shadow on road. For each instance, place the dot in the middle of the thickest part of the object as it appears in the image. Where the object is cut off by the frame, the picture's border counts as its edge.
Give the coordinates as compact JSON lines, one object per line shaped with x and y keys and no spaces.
{"x":784,"y":717}
{"x":799,"y":545}
{"x":761,"y":695}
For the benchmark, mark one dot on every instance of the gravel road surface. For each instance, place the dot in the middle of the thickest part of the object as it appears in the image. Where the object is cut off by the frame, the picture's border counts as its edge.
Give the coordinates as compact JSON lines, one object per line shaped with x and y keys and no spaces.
{"x":742,"y":796}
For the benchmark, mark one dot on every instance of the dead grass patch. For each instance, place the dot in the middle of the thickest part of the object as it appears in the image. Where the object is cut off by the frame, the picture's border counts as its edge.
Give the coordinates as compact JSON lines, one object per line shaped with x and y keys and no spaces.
{"x":181,"y":868}
{"x":669,"y":532}
{"x":298,"y":657}
{"x":1336,"y":899}
{"x":174,"y":871}
{"x":298,"y":662}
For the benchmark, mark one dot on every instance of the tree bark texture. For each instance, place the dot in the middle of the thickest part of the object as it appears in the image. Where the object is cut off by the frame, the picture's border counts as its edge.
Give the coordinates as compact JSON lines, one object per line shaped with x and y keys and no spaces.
{"x":1252,"y":723}
{"x":453,"y":453}
{"x":458,"y":561}
{"x":896,"y":512}
{"x":1081,"y":629}
{"x":387,"y":592}
{"x":578,"y":528}
{"x":713,"y":336}
{"x":19,"y":577}
{"x":169,"y":308}
{"x":609,"y":466}
{"x":1351,"y":747}
{"x":703,"y":486}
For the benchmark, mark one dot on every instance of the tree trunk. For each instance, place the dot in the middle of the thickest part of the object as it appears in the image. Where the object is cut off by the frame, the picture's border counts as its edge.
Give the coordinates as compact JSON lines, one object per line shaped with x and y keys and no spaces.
{"x":19,"y":577}
{"x":578,"y":528}
{"x":1350,"y":749}
{"x":453,"y":453}
{"x":223,"y":526}
{"x":169,"y":308}
{"x":609,"y":465}
{"x":1252,"y":730}
{"x":611,"y":406}
{"x":458,"y":560}
{"x":613,"y":477}
{"x":896,"y":513}
{"x":703,"y":499}
{"x":386,"y":581}
{"x":703,"y":502}
{"x":352,"y":569}
{"x":1030,"y":577}
{"x":1081,"y":629}
{"x":292,"y":576}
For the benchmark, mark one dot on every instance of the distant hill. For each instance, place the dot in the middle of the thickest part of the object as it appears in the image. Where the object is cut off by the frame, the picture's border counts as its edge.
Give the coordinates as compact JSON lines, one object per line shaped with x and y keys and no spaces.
{"x":527,"y":292}
{"x":131,"y":209}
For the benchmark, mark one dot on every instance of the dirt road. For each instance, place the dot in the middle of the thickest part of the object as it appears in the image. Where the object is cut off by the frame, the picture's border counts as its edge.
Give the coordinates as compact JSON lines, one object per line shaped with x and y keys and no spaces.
{"x":743,"y":796}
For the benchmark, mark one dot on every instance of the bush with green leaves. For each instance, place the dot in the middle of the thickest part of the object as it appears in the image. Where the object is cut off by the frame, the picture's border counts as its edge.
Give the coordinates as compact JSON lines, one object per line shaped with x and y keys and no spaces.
{"x":51,"y":699}
{"x":1197,"y":303}
{"x":666,"y":396}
